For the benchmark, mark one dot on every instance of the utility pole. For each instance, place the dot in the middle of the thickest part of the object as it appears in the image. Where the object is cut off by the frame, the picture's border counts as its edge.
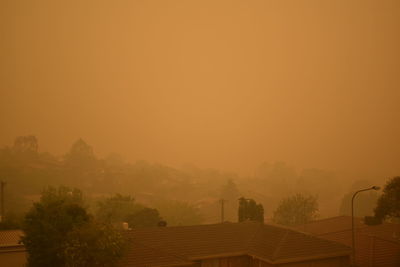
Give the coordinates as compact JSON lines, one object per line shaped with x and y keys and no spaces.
{"x":2,"y":184}
{"x":222,"y":210}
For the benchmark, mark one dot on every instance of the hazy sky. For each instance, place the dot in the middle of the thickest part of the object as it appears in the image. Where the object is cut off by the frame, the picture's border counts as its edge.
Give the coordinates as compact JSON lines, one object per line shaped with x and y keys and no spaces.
{"x":225,"y":84}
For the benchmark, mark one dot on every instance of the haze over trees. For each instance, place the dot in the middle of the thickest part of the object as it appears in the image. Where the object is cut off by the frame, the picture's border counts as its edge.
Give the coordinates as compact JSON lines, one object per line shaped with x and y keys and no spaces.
{"x":297,"y":209}
{"x":60,"y":232}
{"x":249,"y":210}
{"x":185,"y":196}
{"x":364,"y":203}
{"x":388,"y":206}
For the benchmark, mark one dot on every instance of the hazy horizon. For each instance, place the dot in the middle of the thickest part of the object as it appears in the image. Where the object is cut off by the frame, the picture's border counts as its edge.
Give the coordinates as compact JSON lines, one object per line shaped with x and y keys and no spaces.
{"x":217,"y":84}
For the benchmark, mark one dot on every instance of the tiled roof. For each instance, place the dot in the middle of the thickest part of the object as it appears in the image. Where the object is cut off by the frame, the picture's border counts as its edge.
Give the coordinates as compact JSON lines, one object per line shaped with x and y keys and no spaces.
{"x":10,"y":238}
{"x":389,"y":231}
{"x":333,"y":224}
{"x":167,"y":246}
{"x":377,"y":245}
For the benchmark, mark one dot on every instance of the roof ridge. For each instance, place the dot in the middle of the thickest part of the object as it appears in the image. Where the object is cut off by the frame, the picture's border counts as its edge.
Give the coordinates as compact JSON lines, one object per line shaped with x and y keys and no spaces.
{"x":279,"y":246}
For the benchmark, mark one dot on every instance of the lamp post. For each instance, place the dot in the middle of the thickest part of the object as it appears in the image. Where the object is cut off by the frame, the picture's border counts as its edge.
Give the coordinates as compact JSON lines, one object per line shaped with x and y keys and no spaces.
{"x":352,"y":220}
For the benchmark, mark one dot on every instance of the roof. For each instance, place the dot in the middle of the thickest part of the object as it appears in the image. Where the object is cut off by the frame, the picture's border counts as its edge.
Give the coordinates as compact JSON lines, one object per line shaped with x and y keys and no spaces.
{"x":182,"y":245}
{"x":377,"y":245}
{"x":10,"y":238}
{"x":389,"y":231}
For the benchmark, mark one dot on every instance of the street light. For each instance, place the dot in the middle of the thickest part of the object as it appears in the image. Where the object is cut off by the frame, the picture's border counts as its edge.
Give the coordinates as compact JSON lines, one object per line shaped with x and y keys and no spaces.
{"x":352,"y":219}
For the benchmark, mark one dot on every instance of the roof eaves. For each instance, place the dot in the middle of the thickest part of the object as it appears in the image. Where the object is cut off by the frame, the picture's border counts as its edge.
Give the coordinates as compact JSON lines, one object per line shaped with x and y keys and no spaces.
{"x":220,"y":255}
{"x":174,"y":265}
{"x":289,"y":260}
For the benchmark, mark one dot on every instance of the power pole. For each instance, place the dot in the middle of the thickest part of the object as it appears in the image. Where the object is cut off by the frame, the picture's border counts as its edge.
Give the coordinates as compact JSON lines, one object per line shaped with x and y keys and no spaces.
{"x":2,"y":184}
{"x":222,"y":210}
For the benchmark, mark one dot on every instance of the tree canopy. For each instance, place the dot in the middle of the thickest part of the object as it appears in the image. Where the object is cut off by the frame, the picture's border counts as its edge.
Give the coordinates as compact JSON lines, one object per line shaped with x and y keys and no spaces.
{"x":250,"y":210}
{"x":144,"y":218}
{"x":388,"y":205}
{"x":117,"y":208}
{"x":296,"y":210}
{"x":60,"y":232}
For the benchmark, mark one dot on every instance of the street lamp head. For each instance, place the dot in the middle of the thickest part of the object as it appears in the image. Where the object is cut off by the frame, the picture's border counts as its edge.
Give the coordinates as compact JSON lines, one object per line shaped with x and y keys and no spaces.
{"x":376,"y":187}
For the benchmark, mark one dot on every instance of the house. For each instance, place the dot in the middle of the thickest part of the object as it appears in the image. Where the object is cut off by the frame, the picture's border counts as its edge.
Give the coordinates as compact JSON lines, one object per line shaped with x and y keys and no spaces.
{"x":376,"y":245}
{"x":12,"y":252}
{"x":248,"y":244}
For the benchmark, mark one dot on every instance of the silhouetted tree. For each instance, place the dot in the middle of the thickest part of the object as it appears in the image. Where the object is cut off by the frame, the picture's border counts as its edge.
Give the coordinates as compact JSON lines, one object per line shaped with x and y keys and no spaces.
{"x":93,"y":244}
{"x":295,"y":210}
{"x":250,"y":210}
{"x":178,"y":212}
{"x":117,"y":208}
{"x":80,"y":155}
{"x":388,"y":205}
{"x":144,"y":218}
{"x":60,"y":232}
{"x":26,"y":144}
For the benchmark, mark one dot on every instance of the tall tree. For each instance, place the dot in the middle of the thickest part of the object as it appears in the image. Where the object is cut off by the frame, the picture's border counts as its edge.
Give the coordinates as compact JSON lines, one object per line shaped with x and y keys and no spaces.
{"x":26,"y":144}
{"x":295,"y":210}
{"x":250,"y":210}
{"x":146,"y":217}
{"x":58,"y":228}
{"x":117,"y":209}
{"x":177,"y":212}
{"x":80,"y":156}
{"x":388,"y":205}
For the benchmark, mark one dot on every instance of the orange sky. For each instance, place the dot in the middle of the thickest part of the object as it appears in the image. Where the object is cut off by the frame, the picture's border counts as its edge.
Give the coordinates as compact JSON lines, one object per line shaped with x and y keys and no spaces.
{"x":225,"y":84}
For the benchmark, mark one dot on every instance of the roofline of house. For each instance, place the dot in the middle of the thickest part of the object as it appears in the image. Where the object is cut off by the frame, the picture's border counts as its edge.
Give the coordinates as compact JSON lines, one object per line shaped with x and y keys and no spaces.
{"x":174,"y":265}
{"x":297,"y":259}
{"x":15,"y":248}
{"x":220,"y":255}
{"x":245,"y":253}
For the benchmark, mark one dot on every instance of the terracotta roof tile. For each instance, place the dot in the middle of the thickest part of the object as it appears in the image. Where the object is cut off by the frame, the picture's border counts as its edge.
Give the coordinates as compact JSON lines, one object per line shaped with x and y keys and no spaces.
{"x":377,"y":245}
{"x":10,"y":238}
{"x":166,"y":246}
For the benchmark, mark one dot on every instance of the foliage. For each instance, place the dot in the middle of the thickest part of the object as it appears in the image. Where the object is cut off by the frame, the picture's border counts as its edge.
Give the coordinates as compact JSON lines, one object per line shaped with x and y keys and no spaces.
{"x":93,"y":244}
{"x":178,"y":213}
{"x":57,"y":226}
{"x":250,"y":210}
{"x":26,"y":144}
{"x":117,"y":208}
{"x":80,"y":156}
{"x":388,"y":205}
{"x":295,"y":210}
{"x":144,"y":218}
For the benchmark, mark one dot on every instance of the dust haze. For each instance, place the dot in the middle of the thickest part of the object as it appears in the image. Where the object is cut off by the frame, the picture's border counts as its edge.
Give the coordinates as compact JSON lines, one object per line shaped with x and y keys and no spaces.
{"x":221,"y":84}
{"x":251,"y":88}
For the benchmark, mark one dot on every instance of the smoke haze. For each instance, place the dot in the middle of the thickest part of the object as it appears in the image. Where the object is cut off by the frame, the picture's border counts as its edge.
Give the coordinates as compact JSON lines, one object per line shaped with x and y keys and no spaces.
{"x":223,"y":84}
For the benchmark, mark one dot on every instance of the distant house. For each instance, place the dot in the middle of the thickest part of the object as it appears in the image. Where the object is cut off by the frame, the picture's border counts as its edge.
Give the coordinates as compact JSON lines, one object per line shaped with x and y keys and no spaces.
{"x":246,"y":244}
{"x":377,"y":245}
{"x":12,"y":252}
